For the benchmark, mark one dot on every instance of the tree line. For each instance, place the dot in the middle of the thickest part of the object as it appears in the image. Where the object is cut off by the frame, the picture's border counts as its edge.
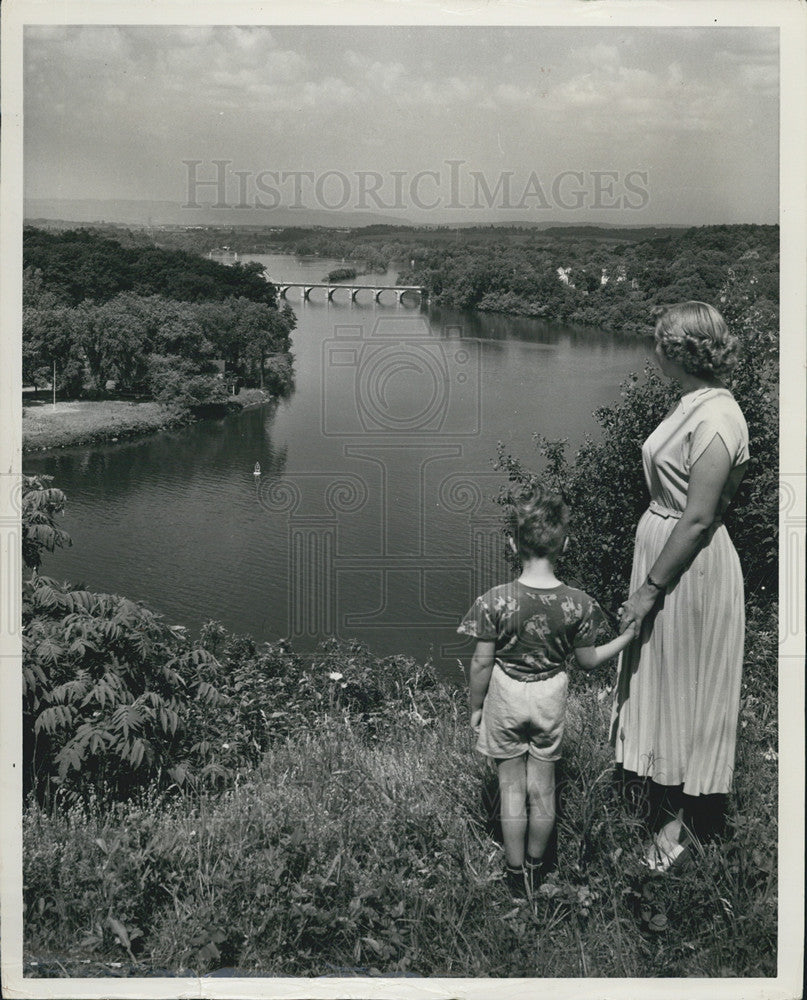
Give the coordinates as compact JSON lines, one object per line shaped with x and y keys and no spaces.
{"x":152,"y":321}
{"x":615,"y":286}
{"x":605,"y":277}
{"x":609,"y":278}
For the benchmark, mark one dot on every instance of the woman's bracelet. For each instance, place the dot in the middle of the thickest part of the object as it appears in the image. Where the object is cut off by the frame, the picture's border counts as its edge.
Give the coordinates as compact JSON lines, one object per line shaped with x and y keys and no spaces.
{"x":654,"y":585}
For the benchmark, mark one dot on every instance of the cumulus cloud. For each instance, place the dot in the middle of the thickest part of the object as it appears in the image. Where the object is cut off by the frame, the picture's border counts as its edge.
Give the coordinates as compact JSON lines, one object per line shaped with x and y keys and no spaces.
{"x":634,"y":97}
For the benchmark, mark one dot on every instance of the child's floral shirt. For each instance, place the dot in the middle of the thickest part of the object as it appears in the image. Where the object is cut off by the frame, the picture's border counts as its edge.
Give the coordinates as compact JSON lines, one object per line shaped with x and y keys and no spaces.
{"x":535,"y":629}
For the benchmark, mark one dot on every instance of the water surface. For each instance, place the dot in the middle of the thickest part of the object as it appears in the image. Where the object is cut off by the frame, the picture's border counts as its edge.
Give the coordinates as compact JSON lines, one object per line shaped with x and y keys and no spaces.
{"x":372,"y":516}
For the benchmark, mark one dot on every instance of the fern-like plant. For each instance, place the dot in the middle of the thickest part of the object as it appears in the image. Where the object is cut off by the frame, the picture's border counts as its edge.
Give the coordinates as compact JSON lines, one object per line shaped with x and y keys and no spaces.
{"x":113,"y":696}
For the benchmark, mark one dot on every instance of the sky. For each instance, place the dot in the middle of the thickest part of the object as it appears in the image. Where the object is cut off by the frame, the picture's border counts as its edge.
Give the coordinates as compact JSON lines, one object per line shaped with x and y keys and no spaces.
{"x":619,"y":125}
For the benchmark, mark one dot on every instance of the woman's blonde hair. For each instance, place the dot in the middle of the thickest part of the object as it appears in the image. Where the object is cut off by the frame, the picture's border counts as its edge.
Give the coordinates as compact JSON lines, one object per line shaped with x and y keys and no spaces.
{"x":695,"y":335}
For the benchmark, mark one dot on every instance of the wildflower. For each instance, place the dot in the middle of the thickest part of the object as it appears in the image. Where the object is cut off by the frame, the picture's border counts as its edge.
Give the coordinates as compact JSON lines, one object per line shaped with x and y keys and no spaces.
{"x":585,"y":897}
{"x":770,"y":755}
{"x":335,"y":676}
{"x":225,"y":746}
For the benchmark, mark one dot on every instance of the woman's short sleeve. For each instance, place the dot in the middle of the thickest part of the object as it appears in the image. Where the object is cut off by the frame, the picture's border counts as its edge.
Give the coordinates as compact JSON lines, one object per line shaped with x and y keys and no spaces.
{"x":480,"y":622}
{"x":725,"y":421}
{"x":590,"y":623}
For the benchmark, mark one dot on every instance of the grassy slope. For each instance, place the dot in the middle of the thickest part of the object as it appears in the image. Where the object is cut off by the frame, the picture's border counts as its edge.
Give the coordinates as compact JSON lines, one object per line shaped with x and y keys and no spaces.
{"x":85,"y":421}
{"x":359,"y":854}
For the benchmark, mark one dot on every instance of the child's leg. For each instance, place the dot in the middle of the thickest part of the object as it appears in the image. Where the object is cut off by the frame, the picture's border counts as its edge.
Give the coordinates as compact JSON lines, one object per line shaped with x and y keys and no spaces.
{"x":513,"y":798}
{"x":541,"y":796}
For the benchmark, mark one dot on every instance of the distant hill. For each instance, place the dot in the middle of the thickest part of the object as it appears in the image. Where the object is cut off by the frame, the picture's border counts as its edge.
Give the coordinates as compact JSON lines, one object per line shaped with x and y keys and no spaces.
{"x":610,"y":233}
{"x":157,"y":213}
{"x":133,"y":212}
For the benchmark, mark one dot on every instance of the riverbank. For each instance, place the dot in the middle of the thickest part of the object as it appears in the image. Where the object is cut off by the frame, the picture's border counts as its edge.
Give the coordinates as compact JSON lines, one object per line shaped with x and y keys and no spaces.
{"x":82,"y":422}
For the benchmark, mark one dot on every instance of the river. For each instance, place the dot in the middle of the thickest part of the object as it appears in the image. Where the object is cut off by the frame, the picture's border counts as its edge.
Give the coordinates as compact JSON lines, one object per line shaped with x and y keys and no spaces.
{"x":372,"y":517}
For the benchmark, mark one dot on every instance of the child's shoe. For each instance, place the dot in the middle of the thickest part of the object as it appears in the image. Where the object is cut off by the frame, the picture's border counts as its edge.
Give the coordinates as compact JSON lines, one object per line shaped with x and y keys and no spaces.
{"x":515,"y":881}
{"x":533,"y":875}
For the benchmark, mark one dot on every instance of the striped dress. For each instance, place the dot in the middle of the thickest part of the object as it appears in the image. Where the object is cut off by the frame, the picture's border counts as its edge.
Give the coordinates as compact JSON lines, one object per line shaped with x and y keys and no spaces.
{"x":677,"y":696}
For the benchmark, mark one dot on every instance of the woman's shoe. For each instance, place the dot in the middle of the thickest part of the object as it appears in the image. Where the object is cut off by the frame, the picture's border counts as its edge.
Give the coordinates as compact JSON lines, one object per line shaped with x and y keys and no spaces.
{"x":660,"y":858}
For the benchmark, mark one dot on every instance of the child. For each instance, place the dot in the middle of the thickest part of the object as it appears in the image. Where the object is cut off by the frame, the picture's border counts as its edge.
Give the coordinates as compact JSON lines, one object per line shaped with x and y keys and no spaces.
{"x":525,"y":630}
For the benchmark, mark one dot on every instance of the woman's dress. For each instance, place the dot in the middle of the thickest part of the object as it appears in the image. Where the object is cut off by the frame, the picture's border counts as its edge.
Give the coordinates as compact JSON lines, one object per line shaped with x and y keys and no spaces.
{"x":678,"y":690}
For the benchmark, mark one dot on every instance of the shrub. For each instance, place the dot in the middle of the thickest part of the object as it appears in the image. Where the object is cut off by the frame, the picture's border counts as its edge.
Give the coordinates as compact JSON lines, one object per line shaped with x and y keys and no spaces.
{"x":178,"y":381}
{"x":273,"y":692}
{"x":278,"y":375}
{"x":113,"y":697}
{"x":341,"y":274}
{"x":40,"y":505}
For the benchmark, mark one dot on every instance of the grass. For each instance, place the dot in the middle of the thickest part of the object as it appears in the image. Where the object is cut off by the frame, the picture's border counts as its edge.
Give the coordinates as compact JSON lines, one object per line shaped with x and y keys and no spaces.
{"x":89,"y":421}
{"x":368,"y":850}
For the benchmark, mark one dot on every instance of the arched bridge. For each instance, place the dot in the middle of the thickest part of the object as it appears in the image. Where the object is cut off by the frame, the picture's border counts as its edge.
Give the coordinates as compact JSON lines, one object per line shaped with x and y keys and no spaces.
{"x":307,"y":287}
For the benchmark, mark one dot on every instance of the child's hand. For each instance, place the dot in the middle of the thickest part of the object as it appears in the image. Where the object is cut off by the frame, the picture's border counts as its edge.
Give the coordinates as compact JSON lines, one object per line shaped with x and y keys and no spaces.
{"x":476,"y":719}
{"x":632,"y":630}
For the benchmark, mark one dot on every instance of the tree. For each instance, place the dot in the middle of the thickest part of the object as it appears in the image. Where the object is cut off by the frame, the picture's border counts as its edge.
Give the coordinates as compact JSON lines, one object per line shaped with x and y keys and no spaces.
{"x":89,"y":333}
{"x":124,"y":344}
{"x":263,"y":332}
{"x":47,"y":338}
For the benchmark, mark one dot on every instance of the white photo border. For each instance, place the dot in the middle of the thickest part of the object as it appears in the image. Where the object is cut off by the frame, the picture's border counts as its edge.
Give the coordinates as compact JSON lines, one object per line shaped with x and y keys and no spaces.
{"x":790,"y":16}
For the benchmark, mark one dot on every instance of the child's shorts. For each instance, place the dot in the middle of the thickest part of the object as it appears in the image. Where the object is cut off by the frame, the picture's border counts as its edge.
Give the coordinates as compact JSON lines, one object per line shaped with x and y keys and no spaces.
{"x":523,"y":716}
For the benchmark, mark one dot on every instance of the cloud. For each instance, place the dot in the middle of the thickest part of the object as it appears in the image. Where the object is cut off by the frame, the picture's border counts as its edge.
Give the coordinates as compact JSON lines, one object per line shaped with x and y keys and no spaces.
{"x":754,"y":67}
{"x":410,"y":87}
{"x":602,"y":55}
{"x":175,"y":70}
{"x":394,"y":98}
{"x":631,"y":98}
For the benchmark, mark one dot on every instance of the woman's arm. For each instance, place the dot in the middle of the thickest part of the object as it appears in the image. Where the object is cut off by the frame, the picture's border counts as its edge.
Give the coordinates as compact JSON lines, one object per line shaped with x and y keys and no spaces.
{"x":707,"y":479}
{"x":479,"y":679}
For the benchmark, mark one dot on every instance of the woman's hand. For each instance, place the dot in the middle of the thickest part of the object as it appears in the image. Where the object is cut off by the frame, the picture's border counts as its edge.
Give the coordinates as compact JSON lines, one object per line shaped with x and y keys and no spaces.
{"x":640,"y":603}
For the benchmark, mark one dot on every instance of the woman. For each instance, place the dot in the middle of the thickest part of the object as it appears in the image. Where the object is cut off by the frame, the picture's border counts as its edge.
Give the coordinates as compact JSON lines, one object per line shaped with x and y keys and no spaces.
{"x":676,"y":703}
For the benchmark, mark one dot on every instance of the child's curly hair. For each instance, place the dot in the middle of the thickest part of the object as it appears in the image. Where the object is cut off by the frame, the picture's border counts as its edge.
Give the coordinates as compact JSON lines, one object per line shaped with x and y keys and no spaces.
{"x":538,"y":524}
{"x":695,"y":335}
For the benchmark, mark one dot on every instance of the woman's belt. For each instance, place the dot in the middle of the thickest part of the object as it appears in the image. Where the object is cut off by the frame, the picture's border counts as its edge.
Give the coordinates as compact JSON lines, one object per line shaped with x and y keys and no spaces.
{"x":662,"y":511}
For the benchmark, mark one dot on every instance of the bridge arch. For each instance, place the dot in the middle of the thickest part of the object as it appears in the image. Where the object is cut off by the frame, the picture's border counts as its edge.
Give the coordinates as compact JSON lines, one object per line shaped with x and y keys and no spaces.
{"x":306,"y":288}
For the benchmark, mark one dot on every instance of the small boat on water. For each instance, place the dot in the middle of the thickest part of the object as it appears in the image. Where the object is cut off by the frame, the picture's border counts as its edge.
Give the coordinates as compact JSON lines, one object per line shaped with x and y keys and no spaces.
{"x":257,"y":470}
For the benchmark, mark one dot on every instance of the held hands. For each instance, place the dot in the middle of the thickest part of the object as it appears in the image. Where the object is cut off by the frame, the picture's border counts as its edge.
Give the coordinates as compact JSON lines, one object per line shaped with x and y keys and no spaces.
{"x":633,"y":611}
{"x":631,"y":629}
